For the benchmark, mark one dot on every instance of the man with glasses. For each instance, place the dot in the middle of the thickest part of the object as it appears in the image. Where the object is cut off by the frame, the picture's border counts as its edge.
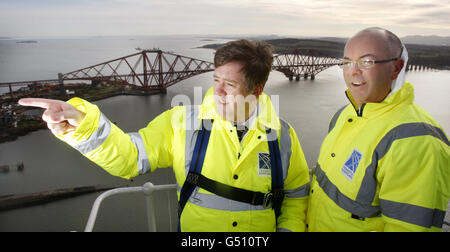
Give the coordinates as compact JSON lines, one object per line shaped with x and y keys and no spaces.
{"x":385,"y":163}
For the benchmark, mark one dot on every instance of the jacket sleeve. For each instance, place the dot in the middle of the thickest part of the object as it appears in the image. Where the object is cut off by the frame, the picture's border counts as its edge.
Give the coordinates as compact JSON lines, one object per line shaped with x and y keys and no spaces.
{"x":296,"y":187}
{"x":120,"y":154}
{"x":415,"y":188}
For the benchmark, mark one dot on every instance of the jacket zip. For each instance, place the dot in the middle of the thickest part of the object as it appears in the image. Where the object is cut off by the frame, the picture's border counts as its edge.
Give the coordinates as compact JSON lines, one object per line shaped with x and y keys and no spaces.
{"x":360,"y":110}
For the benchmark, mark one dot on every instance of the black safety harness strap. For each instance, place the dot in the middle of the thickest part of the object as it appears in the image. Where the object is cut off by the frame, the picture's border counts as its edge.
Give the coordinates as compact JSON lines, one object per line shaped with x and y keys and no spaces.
{"x":230,"y":192}
{"x":195,"y":179}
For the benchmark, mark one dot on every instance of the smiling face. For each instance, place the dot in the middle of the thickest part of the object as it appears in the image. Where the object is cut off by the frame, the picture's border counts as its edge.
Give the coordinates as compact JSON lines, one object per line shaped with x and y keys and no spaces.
{"x":233,"y":101}
{"x":372,"y":84}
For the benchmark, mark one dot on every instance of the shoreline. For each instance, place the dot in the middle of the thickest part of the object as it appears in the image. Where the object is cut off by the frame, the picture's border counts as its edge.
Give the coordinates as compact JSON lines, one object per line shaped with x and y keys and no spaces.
{"x":18,"y":124}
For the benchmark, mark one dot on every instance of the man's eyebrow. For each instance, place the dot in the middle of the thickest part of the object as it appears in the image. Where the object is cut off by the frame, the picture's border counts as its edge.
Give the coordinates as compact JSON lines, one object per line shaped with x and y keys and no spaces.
{"x":365,"y":55}
{"x":226,"y":80}
{"x":368,"y":54}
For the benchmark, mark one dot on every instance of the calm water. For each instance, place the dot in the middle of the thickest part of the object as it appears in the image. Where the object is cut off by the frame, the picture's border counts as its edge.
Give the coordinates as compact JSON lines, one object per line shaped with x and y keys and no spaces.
{"x":50,"y":164}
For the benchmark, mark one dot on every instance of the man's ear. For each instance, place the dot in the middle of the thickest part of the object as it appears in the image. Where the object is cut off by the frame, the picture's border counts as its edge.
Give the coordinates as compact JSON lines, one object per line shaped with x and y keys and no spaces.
{"x":398,"y":64}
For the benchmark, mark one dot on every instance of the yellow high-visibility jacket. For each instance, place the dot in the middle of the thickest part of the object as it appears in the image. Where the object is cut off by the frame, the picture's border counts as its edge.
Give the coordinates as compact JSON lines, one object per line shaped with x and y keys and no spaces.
{"x":384,"y":167}
{"x":168,"y":141}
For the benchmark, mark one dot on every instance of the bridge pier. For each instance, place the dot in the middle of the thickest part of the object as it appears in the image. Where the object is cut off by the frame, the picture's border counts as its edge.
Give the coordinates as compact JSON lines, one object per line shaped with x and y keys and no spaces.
{"x":62,"y":91}
{"x":11,"y":92}
{"x":299,"y":76}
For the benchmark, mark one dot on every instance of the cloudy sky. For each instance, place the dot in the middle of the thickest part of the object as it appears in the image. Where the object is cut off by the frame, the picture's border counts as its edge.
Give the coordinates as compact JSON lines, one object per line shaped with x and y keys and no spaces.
{"x":340,"y":18}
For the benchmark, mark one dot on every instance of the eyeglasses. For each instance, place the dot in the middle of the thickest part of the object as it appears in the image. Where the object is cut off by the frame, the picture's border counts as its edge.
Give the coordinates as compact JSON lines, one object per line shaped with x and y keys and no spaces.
{"x":365,"y":63}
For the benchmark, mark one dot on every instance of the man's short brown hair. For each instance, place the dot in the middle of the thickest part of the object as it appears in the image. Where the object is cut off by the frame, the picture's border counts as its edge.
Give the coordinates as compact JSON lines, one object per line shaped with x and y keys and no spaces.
{"x":256,"y":57}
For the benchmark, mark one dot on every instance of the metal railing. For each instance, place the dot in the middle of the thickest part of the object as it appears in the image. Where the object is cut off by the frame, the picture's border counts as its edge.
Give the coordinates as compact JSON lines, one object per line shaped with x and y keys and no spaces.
{"x":147,"y":189}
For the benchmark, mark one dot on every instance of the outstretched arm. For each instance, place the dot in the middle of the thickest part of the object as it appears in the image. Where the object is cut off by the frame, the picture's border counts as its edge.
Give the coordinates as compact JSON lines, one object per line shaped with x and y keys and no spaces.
{"x":81,"y":125}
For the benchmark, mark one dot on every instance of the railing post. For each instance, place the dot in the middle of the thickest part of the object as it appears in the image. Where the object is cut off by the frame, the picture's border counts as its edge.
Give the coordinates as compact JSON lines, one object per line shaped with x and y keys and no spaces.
{"x":148,"y":189}
{"x":94,"y":211}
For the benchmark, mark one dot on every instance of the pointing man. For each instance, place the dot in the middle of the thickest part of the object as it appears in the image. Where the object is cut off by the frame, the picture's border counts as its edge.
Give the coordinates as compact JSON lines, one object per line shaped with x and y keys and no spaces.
{"x":248,"y":177}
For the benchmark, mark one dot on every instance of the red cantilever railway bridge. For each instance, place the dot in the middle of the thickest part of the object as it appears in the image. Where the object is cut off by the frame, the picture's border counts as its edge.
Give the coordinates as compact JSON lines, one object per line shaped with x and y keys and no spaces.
{"x":157,"y":70}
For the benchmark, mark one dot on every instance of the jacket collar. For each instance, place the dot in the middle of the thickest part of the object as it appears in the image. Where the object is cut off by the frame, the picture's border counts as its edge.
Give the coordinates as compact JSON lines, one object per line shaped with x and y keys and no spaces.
{"x":266,"y":114}
{"x":404,"y":95}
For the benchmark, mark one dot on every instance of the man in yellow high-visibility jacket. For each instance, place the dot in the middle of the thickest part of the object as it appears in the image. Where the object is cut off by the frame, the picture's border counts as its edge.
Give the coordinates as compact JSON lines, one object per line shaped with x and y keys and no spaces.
{"x":385,"y":163}
{"x":230,"y":175}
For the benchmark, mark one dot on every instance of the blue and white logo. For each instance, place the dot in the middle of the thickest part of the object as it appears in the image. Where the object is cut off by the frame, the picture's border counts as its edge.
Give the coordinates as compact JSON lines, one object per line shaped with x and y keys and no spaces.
{"x":350,"y":166}
{"x":264,"y":167}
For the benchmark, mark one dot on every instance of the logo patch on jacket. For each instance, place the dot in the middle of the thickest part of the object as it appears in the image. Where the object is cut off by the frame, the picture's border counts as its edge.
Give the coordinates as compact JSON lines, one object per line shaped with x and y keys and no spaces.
{"x":264,"y":167}
{"x":350,"y":166}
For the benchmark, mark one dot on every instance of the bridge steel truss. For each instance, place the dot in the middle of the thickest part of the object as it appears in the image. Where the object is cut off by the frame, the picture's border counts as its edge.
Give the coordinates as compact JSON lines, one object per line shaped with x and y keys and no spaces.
{"x":157,"y":70}
{"x":148,"y":69}
{"x":302,"y":63}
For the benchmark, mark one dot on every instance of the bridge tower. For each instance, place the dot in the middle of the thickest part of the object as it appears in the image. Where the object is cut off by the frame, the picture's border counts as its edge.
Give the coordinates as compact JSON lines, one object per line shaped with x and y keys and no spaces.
{"x":148,"y":69}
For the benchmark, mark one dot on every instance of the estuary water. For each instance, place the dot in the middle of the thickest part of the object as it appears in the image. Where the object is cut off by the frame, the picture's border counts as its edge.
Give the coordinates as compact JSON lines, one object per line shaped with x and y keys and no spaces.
{"x":307,"y":105}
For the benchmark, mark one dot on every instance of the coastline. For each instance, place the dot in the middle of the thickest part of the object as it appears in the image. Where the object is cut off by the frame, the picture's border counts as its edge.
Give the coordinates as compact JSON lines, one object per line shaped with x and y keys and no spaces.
{"x":18,"y":123}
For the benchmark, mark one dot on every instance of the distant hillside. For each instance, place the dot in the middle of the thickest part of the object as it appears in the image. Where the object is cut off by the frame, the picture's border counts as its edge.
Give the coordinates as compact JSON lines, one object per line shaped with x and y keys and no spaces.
{"x":427,"y":40}
{"x":415,"y":39}
{"x":429,"y":55}
{"x":329,"y":48}
{"x":435,"y":56}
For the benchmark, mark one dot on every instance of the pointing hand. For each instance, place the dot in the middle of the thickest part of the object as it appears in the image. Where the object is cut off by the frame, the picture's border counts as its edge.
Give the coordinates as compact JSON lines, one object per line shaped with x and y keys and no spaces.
{"x":61,"y":117}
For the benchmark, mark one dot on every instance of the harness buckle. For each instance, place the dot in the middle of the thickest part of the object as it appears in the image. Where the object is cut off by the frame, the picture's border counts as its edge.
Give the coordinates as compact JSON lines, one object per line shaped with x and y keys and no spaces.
{"x":268,"y":198}
{"x":192,"y":178}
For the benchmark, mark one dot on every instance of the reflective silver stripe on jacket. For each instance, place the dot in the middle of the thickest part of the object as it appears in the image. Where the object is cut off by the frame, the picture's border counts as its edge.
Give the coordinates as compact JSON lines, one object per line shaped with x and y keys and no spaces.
{"x":286,"y":152}
{"x":418,"y":215}
{"x":97,"y":137}
{"x":352,"y":206}
{"x":285,"y":147}
{"x":366,"y":194}
{"x":143,"y":162}
{"x":334,"y":119}
{"x":213,"y":201}
{"x":302,"y":191}
{"x":192,"y":127}
{"x":216,"y":202}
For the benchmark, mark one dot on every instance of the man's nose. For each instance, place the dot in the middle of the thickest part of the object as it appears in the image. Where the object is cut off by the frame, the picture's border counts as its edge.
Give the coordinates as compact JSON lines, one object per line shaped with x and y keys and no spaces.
{"x":354,"y":69}
{"x":219,"y":86}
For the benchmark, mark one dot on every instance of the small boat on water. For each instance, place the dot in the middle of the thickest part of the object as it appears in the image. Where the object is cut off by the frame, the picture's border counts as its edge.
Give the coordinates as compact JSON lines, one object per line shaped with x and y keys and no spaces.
{"x":4,"y":168}
{"x":20,"y":166}
{"x":27,"y":41}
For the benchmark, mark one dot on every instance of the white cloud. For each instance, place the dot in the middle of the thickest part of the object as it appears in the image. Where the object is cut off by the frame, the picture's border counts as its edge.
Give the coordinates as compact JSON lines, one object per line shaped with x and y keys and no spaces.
{"x":284,"y":17}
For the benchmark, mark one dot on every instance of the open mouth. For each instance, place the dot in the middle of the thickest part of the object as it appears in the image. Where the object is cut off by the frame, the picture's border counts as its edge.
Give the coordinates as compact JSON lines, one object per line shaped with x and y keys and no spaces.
{"x":221,"y":101}
{"x":357,"y":84}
